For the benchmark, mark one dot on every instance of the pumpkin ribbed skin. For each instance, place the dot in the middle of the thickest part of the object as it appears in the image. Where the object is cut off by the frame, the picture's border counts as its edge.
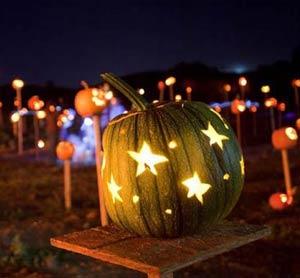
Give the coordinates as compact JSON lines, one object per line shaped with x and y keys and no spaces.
{"x":181,"y":122}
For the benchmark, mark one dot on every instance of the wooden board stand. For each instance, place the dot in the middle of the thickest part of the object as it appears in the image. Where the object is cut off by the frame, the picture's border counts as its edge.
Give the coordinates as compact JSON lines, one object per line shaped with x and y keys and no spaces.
{"x":158,"y":257}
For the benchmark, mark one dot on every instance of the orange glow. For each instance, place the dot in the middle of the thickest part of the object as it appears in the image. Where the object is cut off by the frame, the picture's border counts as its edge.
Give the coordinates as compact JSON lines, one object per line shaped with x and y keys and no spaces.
{"x":218,"y":108}
{"x":281,"y":106}
{"x":227,"y":88}
{"x":170,"y":81}
{"x":241,"y":107}
{"x":188,"y":89}
{"x":242,"y":81}
{"x":296,"y":83}
{"x":17,"y":84}
{"x":178,"y":98}
{"x":161,"y":85}
{"x":265,"y":89}
{"x":52,"y":108}
{"x":298,"y":124}
{"x":1,"y":104}
{"x":253,"y":109}
{"x":270,"y":102}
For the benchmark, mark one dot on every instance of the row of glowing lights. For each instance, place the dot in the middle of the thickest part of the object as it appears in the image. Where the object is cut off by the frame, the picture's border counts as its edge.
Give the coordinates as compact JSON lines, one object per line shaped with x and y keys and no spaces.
{"x":170,"y":81}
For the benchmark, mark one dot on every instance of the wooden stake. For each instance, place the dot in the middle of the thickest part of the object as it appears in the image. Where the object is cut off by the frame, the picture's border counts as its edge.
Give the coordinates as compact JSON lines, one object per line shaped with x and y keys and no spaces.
{"x":36,"y":131}
{"x":171,"y":93}
{"x":103,"y":213}
{"x":161,"y":95}
{"x":286,"y":171}
{"x":67,"y":184}
{"x":254,"y":124}
{"x":20,"y":123}
{"x":272,"y":119}
{"x":297,"y":99}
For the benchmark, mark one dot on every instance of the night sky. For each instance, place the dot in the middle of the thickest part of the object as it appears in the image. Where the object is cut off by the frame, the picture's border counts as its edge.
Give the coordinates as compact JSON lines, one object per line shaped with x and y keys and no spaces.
{"x":67,"y":41}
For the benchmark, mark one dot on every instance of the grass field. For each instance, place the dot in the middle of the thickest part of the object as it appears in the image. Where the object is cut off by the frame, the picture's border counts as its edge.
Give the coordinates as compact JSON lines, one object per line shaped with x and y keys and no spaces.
{"x":32,"y":211}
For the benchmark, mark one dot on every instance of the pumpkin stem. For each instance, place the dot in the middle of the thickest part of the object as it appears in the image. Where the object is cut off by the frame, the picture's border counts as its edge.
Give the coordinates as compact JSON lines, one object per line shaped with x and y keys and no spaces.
{"x":138,"y":101}
{"x":84,"y":84}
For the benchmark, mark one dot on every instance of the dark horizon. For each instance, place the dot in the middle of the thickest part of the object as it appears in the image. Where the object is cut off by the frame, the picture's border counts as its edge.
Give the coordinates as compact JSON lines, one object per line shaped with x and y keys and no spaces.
{"x":67,"y":41}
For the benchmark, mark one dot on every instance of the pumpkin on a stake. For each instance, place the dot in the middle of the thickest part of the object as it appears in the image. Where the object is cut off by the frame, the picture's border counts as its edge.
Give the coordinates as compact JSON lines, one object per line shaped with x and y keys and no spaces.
{"x":169,"y":169}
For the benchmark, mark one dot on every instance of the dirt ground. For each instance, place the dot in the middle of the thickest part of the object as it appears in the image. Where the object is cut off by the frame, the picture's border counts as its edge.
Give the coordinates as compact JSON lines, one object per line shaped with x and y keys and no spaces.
{"x":31,"y":211}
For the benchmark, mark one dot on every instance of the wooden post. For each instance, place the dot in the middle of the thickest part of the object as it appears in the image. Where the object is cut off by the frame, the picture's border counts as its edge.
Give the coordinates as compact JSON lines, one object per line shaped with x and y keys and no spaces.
{"x":238,"y":128}
{"x":36,"y":131}
{"x":171,"y":92}
{"x":189,"y":96}
{"x":272,"y":119}
{"x":161,"y":94}
{"x":1,"y":116}
{"x":103,"y":213}
{"x":297,"y":99}
{"x":286,"y":171}
{"x":254,"y":124}
{"x":67,"y":184}
{"x":20,"y":122}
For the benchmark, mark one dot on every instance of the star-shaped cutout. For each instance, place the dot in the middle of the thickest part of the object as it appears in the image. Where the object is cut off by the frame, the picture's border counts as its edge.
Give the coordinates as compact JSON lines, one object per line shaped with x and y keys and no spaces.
{"x":146,"y":159}
{"x":114,"y":190}
{"x":196,"y":187}
{"x":214,"y":136}
{"x":242,"y":165}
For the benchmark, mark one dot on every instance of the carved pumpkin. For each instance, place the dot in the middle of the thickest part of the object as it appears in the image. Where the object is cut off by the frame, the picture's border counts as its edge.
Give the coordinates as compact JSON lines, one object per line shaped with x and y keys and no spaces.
{"x":280,"y":201}
{"x":65,"y":150}
{"x":284,"y":138}
{"x":89,"y":102}
{"x":238,"y":106}
{"x":169,"y":169}
{"x":34,"y":103}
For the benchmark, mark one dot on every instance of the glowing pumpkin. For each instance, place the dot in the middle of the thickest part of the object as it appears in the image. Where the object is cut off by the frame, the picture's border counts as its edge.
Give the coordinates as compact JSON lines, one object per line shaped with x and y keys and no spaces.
{"x":284,"y":138}
{"x":65,"y":150}
{"x":238,"y":106}
{"x":280,"y":201}
{"x":34,"y":103}
{"x":90,"y":101}
{"x":169,"y":169}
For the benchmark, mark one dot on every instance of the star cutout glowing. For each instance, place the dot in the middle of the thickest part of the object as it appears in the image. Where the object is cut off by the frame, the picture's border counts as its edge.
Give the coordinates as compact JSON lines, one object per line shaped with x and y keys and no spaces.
{"x":220,"y":117}
{"x":214,"y":136}
{"x":135,"y":199}
{"x":242,"y":165}
{"x":226,"y":177}
{"x":196,"y":187}
{"x":146,"y":159}
{"x":114,"y":190}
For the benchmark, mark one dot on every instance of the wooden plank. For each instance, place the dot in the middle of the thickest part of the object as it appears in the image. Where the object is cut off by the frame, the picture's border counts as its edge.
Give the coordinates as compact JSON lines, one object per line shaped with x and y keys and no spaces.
{"x":158,"y":256}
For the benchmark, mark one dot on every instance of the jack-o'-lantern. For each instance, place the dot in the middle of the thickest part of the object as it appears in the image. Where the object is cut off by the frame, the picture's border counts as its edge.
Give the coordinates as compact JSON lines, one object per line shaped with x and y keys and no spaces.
{"x":280,"y":201}
{"x":169,"y":169}
{"x":270,"y":102}
{"x":238,"y":106}
{"x":90,"y":101}
{"x":35,"y":103}
{"x":65,"y":150}
{"x":284,"y":138}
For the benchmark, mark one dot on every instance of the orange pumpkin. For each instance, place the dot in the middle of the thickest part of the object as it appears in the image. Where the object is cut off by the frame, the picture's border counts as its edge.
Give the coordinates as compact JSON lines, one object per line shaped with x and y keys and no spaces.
{"x":280,"y":201}
{"x":65,"y":150}
{"x":298,"y":124}
{"x":34,"y":103}
{"x":271,"y":102}
{"x":284,"y":138}
{"x":89,"y":102}
{"x":238,"y":106}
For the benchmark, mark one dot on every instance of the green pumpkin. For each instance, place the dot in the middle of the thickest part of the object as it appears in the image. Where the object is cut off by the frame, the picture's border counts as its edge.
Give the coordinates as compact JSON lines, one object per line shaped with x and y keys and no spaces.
{"x":169,"y":169}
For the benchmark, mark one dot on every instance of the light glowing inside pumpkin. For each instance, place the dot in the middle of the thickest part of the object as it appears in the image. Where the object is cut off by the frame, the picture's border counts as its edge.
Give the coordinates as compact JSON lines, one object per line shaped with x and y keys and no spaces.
{"x":214,"y":136}
{"x":196,"y":187}
{"x":146,"y":159}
